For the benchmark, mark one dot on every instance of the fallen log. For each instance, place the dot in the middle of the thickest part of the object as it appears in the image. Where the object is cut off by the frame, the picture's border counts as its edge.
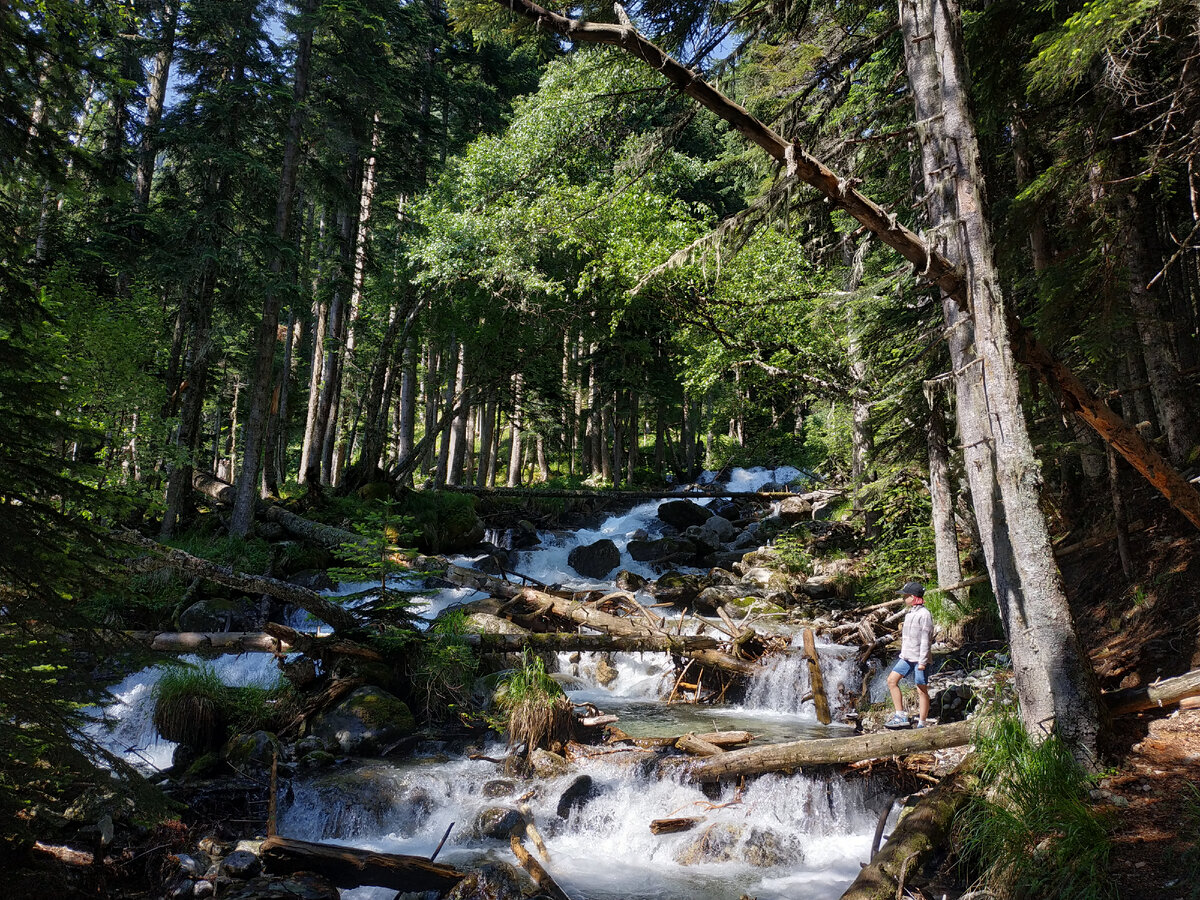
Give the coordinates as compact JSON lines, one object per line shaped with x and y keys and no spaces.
{"x":326,"y":536}
{"x":672,"y":826}
{"x":722,"y":739}
{"x":697,"y":746}
{"x":213,"y":487}
{"x":540,"y":876}
{"x":1161,"y":693}
{"x":827,"y":751}
{"x":917,"y":837}
{"x":815,"y":679}
{"x":169,"y":557}
{"x":210,"y":641}
{"x":320,"y":645}
{"x":551,"y":640}
{"x":348,"y":867}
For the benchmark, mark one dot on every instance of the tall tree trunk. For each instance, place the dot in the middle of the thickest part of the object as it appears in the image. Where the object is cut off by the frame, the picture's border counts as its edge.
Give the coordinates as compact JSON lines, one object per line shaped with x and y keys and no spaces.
{"x":309,"y":451}
{"x":448,"y":403}
{"x":514,"y":453}
{"x":941,"y":496}
{"x":458,"y":429}
{"x":406,"y":427}
{"x":1053,"y":678}
{"x":487,"y":424}
{"x":156,"y":97}
{"x":631,"y":460}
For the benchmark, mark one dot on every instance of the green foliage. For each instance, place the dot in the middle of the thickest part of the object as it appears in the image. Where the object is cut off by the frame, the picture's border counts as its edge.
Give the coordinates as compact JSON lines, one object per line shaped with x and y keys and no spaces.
{"x":538,"y":712}
{"x":190,"y":707}
{"x":792,"y":547}
{"x":530,"y":683}
{"x":439,"y":519}
{"x":446,"y":668}
{"x":1031,"y":831}
{"x":1065,"y":54}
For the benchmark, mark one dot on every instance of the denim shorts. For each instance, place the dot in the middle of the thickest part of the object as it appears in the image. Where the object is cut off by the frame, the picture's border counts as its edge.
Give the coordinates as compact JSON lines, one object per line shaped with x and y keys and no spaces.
{"x":905,"y":668}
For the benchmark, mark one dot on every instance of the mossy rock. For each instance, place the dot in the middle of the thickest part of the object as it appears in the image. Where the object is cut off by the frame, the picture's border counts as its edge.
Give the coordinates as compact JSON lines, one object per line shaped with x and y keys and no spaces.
{"x":365,"y":722}
{"x":257,"y":748}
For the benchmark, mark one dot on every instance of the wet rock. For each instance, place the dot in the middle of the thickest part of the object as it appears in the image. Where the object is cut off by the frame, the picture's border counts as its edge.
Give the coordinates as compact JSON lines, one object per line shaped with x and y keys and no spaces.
{"x":595,"y":560}
{"x":650,"y":551}
{"x":190,"y":865}
{"x":491,"y":881}
{"x":317,"y":759}
{"x":254,"y":750}
{"x":724,"y":508}
{"x":795,"y":509}
{"x":547,"y":765}
{"x":496,"y":560}
{"x":180,"y":887}
{"x":772,"y":487}
{"x":606,"y":672}
{"x":820,"y":587}
{"x":496,"y":822}
{"x":365,"y":722}
{"x":683,"y":513}
{"x":717,"y":843}
{"x":579,"y":794}
{"x":677,"y":588}
{"x":765,"y":848}
{"x":204,"y":888}
{"x":745,"y":541}
{"x":364,"y":800}
{"x":630,"y":581}
{"x":498,"y":787}
{"x":758,"y":575}
{"x":711,"y":599}
{"x":703,"y":540}
{"x":241,"y":864}
{"x":721,"y":527}
{"x":301,"y":886}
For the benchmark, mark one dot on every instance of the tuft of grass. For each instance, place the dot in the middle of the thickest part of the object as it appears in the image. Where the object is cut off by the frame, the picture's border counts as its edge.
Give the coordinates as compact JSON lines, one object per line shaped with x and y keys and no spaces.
{"x":539,"y":713}
{"x":190,"y":707}
{"x":1031,"y":833}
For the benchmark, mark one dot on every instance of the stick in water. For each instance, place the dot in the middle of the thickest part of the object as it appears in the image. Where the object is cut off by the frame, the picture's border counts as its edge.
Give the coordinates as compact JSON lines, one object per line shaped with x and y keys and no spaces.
{"x":438,"y":848}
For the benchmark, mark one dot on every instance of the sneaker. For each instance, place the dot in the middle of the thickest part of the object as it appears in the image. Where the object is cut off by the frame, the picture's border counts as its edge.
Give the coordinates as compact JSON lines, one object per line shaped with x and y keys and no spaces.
{"x":920,"y":724}
{"x":898,"y":720}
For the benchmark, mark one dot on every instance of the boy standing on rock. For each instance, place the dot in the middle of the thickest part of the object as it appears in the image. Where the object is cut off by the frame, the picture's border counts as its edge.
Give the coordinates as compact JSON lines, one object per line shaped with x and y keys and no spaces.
{"x":916,"y":651}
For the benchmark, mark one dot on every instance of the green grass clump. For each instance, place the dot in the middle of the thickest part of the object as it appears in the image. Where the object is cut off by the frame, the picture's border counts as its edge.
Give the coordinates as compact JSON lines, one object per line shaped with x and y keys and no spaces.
{"x":1030,"y":832}
{"x":190,"y":707}
{"x":538,"y":712}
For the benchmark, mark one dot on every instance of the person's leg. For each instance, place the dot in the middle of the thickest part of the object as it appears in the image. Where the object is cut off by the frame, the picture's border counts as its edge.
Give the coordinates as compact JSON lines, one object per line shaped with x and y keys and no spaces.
{"x":922,"y":701}
{"x":894,"y":689}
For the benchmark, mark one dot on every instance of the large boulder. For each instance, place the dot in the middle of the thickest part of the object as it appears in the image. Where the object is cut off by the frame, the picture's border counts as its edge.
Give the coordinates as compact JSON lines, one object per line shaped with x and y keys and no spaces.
{"x":300,"y":886}
{"x":595,"y":560}
{"x":795,"y":509}
{"x":650,"y":551}
{"x":719,"y":527}
{"x":677,"y":588}
{"x":582,"y":790}
{"x":495,"y":822}
{"x":365,"y":722}
{"x":682,"y":514}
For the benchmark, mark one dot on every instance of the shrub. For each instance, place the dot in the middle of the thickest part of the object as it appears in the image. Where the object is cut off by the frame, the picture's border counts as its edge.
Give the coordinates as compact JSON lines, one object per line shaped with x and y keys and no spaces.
{"x":190,"y":707}
{"x":538,"y":712}
{"x":1031,"y":832}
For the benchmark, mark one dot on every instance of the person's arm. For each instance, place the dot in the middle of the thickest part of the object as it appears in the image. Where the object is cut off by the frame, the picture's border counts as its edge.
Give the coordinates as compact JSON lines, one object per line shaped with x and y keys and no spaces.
{"x":926,"y":647}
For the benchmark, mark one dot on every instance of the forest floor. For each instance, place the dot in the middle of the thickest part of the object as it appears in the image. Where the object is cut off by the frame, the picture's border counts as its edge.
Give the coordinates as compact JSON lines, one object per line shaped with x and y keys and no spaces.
{"x":1135,"y":633}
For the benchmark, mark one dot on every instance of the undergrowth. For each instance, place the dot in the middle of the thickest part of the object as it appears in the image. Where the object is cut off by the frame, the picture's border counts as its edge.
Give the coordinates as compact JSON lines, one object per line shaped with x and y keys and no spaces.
{"x":1030,"y":831}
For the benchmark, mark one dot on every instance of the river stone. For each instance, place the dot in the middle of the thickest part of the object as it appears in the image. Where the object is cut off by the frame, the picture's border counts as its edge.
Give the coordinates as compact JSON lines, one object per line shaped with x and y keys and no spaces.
{"x":717,"y":843}
{"x":765,"y":848}
{"x":719,"y":526}
{"x":823,"y":510}
{"x":820,"y":587}
{"x":595,"y":560}
{"x":683,"y":513}
{"x":258,"y":749}
{"x":241,"y":864}
{"x":795,"y":509}
{"x":629,"y":581}
{"x":758,"y":575}
{"x":704,"y":541}
{"x":711,"y":599}
{"x":677,"y":588}
{"x":649,"y":551}
{"x":606,"y":672}
{"x":491,"y":881}
{"x":580,"y":793}
{"x":747,"y":540}
{"x":204,"y":887}
{"x":313,"y":579}
{"x":190,"y":865}
{"x":365,"y":722}
{"x":301,"y":886}
{"x":766,"y":558}
{"x":498,"y":787}
{"x":495,"y":822}
{"x":547,"y":765}
{"x":317,"y":759}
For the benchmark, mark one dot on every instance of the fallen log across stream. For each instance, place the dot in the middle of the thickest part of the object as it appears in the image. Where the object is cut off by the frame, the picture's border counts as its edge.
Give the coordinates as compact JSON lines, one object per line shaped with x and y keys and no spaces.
{"x":169,"y":557}
{"x":348,"y":867}
{"x":585,"y":615}
{"x":825,"y":751}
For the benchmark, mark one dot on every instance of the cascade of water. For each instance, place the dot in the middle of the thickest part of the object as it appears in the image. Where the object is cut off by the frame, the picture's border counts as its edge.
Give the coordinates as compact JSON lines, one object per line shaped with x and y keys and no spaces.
{"x":124,"y":727}
{"x":784,"y":682}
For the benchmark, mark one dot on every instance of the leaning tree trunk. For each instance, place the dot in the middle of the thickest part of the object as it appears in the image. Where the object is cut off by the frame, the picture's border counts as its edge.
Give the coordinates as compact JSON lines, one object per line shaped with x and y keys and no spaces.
{"x":1053,"y":679}
{"x":941,"y":497}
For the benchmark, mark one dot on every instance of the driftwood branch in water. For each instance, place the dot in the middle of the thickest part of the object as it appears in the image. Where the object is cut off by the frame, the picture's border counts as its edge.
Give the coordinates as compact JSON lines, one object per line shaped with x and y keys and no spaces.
{"x":210,"y":641}
{"x":827,"y":751}
{"x":348,"y":867}
{"x":1162,"y":693}
{"x":722,"y":739}
{"x":697,"y":746}
{"x":815,"y":678}
{"x":916,"y":838}
{"x":309,"y":601}
{"x":672,"y":826}
{"x":540,"y":876}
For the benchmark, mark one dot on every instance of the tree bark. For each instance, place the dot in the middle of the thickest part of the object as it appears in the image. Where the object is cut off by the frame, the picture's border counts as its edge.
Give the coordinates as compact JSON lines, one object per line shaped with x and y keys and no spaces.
{"x":941,"y":495}
{"x":156,"y":97}
{"x":514,"y":453}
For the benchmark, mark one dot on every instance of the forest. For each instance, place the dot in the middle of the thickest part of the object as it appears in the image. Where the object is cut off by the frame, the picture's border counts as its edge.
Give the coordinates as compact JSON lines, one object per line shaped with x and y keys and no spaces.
{"x":363,"y":277}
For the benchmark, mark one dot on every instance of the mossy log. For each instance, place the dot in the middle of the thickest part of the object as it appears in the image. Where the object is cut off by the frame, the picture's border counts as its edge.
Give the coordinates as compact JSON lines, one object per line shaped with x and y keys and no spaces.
{"x":326,"y":536}
{"x":827,"y":751}
{"x":917,"y":837}
{"x":566,"y":641}
{"x":210,"y":641}
{"x":348,"y":867}
{"x":169,"y":557}
{"x":722,"y":739}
